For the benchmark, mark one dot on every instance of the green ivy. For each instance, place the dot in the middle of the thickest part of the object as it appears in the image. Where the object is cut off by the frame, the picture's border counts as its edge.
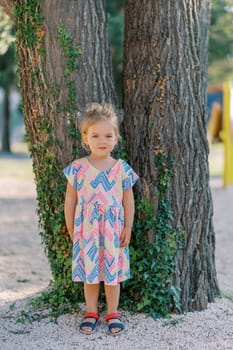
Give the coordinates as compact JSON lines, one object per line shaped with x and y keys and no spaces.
{"x":31,"y":20}
{"x":72,"y":54}
{"x":153,"y":264}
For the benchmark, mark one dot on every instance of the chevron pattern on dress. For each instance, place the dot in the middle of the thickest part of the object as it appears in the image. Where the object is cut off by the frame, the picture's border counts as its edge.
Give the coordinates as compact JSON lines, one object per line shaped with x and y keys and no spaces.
{"x":99,"y":221}
{"x":78,"y":270}
{"x":72,"y":171}
{"x":79,"y":219}
{"x":102,"y":180}
{"x":116,"y":240}
{"x":93,"y":275}
{"x":91,"y":253}
{"x":110,"y":277}
{"x":130,"y":178}
{"x":76,"y":250}
{"x":110,"y":216}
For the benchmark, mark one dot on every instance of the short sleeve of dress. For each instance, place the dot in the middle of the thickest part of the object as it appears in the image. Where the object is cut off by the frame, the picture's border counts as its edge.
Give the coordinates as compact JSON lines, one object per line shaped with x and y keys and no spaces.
{"x":129,"y":177}
{"x":71,"y":172}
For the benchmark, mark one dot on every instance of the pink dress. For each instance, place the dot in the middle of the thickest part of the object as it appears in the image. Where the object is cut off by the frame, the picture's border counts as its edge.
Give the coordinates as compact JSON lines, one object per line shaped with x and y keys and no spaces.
{"x":99,"y":221}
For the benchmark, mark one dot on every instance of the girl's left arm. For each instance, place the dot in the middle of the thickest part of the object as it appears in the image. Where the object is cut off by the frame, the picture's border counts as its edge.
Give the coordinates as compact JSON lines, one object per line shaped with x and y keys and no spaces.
{"x":69,"y":208}
{"x":128,"y":204}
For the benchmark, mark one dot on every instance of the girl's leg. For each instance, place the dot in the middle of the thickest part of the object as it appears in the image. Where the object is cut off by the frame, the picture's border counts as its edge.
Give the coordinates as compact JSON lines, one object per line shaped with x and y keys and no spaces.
{"x":91,"y":294}
{"x":112,"y":294}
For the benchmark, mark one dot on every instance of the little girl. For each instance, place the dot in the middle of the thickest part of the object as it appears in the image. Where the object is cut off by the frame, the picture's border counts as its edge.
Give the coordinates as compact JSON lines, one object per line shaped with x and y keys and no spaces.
{"x":99,"y":211}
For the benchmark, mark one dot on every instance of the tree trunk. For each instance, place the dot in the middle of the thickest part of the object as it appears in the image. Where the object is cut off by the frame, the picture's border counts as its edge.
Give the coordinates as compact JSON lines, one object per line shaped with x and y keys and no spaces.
{"x":6,"y":123}
{"x":86,"y":22}
{"x":165,"y":71}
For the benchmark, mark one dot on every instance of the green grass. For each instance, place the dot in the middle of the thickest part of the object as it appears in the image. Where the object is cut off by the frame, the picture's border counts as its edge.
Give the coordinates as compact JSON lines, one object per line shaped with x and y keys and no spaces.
{"x":22,"y":168}
{"x":20,"y":147}
{"x":227,"y":295}
{"x":16,"y":164}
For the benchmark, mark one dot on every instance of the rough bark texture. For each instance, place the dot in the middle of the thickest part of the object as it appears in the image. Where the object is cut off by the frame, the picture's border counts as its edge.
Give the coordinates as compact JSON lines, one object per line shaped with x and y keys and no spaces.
{"x":86,"y":21}
{"x":165,"y":70}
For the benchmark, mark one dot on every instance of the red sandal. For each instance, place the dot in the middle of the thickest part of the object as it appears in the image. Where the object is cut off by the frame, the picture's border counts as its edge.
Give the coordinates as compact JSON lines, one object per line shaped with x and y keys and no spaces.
{"x":92,"y":325}
{"x":119,"y":324}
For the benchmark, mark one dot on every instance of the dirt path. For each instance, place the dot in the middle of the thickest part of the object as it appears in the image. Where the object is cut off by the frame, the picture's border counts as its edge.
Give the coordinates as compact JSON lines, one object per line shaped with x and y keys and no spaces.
{"x":223,"y":224}
{"x":24,"y":268}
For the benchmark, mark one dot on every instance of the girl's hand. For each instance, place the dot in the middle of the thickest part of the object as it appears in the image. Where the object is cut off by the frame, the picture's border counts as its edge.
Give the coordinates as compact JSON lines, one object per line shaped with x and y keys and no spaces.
{"x":71,"y":233}
{"x":125,"y":237}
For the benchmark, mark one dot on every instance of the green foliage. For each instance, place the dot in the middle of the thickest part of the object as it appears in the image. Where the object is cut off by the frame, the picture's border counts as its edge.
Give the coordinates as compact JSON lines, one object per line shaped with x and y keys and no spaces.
{"x":72,"y":55}
{"x":30,"y":22}
{"x":7,"y":51}
{"x":220,"y":71}
{"x":227,"y":295}
{"x":115,"y":10}
{"x":8,"y":68}
{"x":153,"y":261}
{"x":6,"y":32}
{"x":50,"y":304}
{"x":221,"y":42}
{"x":221,"y":39}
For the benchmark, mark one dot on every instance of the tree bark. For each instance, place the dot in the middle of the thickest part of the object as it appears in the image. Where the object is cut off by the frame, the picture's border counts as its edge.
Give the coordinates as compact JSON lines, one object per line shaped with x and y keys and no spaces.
{"x":86,"y":22}
{"x":165,"y":75}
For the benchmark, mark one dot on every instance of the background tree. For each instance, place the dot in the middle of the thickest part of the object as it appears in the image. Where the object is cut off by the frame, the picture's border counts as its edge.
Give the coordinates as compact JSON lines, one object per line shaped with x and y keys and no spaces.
{"x":7,"y":74}
{"x":165,"y":78}
{"x":115,"y":11}
{"x":221,"y":42}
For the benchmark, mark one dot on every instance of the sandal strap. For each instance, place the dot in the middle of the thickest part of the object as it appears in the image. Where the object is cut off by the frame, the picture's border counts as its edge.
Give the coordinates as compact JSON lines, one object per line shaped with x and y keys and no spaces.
{"x":113,"y":315}
{"x":87,"y":324}
{"x":116,"y":325}
{"x":91,"y":315}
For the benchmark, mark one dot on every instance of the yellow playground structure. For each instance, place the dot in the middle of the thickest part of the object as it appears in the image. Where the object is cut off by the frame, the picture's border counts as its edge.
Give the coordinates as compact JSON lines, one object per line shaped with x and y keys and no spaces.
{"x":227,"y":133}
{"x":221,"y":124}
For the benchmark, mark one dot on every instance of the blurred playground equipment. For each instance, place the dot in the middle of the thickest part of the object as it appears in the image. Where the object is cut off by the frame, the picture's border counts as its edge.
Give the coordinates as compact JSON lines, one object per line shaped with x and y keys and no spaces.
{"x":220,"y":124}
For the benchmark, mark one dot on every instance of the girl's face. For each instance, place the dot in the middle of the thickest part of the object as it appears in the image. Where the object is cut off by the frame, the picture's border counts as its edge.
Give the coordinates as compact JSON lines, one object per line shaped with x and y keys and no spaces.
{"x":101,"y":138}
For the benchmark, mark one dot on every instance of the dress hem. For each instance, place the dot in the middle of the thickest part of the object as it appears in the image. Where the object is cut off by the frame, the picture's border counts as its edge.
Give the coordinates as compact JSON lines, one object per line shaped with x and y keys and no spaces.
{"x":108,"y":284}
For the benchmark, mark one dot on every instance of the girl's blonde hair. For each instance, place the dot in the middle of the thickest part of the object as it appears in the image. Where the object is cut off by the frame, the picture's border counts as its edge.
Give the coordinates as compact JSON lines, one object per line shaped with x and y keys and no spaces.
{"x":96,"y":112}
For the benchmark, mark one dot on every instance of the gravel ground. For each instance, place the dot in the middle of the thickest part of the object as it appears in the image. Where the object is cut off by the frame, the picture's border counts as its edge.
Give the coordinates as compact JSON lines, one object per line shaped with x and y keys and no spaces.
{"x":210,"y":329}
{"x":24,"y":272}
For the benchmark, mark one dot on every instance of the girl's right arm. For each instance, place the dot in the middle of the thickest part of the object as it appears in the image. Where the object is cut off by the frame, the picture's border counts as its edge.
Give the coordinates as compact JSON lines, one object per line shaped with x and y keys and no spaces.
{"x":69,"y":208}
